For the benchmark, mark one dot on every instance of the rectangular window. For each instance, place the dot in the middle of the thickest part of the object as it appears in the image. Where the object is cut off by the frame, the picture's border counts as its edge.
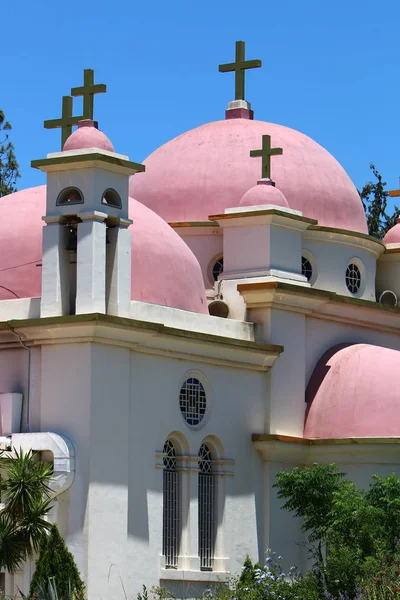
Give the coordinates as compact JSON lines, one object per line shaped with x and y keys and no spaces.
{"x":171,"y":518}
{"x":206,"y":520}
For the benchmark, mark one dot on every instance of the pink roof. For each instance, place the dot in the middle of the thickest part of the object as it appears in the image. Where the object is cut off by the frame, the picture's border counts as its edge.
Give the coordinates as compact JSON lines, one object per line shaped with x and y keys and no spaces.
{"x":352,"y":393}
{"x":164,"y":270}
{"x":393,"y":235}
{"x":88,"y":136}
{"x":264,"y":194}
{"x":208,"y":169}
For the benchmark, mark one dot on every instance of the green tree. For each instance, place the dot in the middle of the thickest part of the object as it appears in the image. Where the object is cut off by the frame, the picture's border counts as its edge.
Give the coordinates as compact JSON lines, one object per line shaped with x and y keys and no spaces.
{"x":26,"y":495}
{"x":374,"y":198}
{"x":9,"y":169}
{"x":57,"y":566}
{"x":352,"y":534}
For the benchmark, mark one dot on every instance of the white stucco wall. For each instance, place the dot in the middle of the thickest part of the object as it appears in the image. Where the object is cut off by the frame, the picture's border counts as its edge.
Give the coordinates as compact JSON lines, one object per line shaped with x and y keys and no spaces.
{"x":206,"y":244}
{"x":331,"y":254}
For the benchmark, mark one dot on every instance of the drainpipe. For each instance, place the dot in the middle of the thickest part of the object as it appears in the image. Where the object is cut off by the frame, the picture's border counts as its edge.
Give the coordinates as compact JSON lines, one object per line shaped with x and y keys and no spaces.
{"x":61,"y":448}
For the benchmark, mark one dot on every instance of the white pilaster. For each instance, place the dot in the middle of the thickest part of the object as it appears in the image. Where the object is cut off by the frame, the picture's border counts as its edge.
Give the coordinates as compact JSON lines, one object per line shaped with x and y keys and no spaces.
{"x":55,"y":269}
{"x":119,"y":251}
{"x":91,"y":264}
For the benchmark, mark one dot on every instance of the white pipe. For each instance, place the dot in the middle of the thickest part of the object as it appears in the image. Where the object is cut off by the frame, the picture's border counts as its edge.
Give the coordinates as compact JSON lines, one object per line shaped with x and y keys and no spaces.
{"x":61,"y":448}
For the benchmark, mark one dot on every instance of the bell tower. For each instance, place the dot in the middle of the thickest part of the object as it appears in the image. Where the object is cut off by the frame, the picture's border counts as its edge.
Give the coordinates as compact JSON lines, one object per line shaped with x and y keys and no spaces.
{"x":86,"y":262}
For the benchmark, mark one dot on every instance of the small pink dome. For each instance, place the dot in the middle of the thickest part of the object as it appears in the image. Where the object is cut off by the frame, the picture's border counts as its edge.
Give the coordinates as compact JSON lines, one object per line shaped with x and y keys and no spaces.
{"x":352,"y":393}
{"x":208,"y":169}
{"x":88,"y":136}
{"x":164,"y":269}
{"x":393,"y":235}
{"x":264,"y":193}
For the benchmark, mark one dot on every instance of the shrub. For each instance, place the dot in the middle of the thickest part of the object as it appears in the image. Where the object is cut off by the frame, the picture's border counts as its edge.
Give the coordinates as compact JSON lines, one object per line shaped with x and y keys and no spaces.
{"x":56,"y":565}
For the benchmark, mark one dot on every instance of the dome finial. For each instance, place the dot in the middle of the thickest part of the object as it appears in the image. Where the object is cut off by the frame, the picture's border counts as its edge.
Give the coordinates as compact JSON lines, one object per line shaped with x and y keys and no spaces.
{"x":266,"y":152}
{"x":241,"y":108}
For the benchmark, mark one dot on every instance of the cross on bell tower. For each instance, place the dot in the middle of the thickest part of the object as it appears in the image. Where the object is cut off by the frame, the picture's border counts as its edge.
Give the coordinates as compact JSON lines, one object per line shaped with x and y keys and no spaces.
{"x":239,"y":67}
{"x":66,"y":121}
{"x":88,"y":90}
{"x":265,"y":153}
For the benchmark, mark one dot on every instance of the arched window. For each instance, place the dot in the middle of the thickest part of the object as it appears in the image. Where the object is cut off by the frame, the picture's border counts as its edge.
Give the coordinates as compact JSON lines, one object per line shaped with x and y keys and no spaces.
{"x":206,"y":509}
{"x":111,"y":198}
{"x":170,"y":507}
{"x":70,"y":195}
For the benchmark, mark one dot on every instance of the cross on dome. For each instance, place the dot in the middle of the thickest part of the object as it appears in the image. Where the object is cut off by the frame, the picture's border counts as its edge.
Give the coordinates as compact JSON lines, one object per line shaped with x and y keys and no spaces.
{"x":240,"y":66}
{"x":88,"y":90}
{"x":266,"y":152}
{"x":66,"y":121}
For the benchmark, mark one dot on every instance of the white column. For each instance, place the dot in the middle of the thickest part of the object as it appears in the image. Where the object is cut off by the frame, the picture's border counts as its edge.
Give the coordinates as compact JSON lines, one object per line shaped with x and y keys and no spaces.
{"x":91,"y":264}
{"x":119,"y":267}
{"x":55,"y":269}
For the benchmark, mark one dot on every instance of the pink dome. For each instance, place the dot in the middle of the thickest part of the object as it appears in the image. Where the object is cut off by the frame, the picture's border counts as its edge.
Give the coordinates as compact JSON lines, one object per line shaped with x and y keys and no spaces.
{"x":393,"y":235}
{"x":88,"y":136}
{"x":263,"y":193}
{"x":208,"y":169}
{"x":164,"y":270}
{"x":352,"y":393}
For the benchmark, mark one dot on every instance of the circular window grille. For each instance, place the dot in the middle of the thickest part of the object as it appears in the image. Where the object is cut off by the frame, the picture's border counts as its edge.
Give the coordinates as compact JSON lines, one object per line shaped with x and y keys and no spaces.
{"x":306,"y":268}
{"x":70,"y":195}
{"x":353,"y":278}
{"x":218,"y":268}
{"x":193,"y":401}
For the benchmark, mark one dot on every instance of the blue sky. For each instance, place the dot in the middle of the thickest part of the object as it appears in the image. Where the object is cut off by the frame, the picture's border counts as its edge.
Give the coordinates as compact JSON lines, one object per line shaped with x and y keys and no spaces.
{"x":331,"y":69}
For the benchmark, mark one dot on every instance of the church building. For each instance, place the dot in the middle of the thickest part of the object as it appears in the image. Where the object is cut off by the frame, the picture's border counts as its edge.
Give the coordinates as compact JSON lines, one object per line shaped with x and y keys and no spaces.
{"x":175,"y":333}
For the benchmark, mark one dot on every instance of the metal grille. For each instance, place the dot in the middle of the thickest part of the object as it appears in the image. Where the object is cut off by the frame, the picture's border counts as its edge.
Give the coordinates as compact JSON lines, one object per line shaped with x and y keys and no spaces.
{"x":218,"y":268}
{"x":170,"y":507}
{"x":353,"y":278}
{"x":206,"y":509}
{"x":306,"y":268}
{"x":193,"y":401}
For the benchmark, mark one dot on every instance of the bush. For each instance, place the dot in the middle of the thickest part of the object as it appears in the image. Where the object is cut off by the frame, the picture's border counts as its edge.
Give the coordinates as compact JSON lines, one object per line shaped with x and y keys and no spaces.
{"x":56,"y":565}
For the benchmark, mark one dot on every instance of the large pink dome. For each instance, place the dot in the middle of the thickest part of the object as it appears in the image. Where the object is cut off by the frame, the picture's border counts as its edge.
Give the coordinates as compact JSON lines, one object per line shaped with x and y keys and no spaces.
{"x":208,"y":169}
{"x":352,"y":393}
{"x":164,"y":270}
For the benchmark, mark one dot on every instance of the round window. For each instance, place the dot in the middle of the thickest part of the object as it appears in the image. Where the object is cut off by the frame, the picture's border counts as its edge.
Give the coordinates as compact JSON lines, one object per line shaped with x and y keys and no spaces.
{"x":306,"y":268}
{"x":218,"y":267}
{"x":353,"y":278}
{"x":70,"y":195}
{"x":193,"y":401}
{"x":111,"y":198}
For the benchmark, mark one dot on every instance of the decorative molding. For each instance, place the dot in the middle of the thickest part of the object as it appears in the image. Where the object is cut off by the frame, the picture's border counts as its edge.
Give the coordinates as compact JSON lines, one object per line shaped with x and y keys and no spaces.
{"x":300,"y":451}
{"x":145,"y":337}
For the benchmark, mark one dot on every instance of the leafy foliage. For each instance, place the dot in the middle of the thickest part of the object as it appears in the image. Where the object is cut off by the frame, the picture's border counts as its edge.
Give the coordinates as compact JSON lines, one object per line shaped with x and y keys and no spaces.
{"x":9,"y":169}
{"x":374,"y":198}
{"x":56,"y":564}
{"x":26,"y":496}
{"x":352,"y":534}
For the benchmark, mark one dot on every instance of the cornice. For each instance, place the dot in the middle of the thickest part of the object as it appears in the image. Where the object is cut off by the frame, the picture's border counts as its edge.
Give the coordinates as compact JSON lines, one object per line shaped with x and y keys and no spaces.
{"x":321,"y":304}
{"x":299,"y":451}
{"x":141,"y":336}
{"x":344,"y":236}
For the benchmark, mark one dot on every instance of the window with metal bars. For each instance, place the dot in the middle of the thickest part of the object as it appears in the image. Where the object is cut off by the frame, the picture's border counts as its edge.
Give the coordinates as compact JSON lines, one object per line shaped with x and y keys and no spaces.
{"x":170,"y":507}
{"x":206,"y":517}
